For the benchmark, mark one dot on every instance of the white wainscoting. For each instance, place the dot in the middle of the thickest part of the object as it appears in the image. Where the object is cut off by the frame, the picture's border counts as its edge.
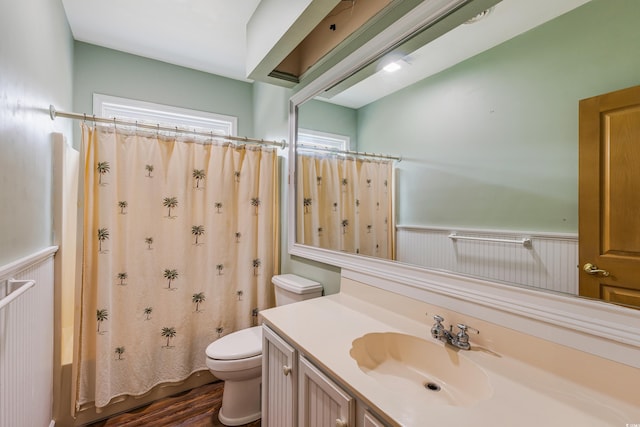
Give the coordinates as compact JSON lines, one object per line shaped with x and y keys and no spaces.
{"x":26,"y":343}
{"x":549,"y":262}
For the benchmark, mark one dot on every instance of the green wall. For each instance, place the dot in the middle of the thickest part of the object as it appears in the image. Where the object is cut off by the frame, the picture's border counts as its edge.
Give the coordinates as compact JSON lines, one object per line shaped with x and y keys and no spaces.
{"x":493,"y":142}
{"x":271,"y":112}
{"x":326,"y":117}
{"x":111,"y":72}
{"x":36,"y":70}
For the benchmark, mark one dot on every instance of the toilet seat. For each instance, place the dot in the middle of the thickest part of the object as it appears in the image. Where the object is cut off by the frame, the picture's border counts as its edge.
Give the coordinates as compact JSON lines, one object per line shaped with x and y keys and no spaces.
{"x":238,"y":351}
{"x":241,"y":344}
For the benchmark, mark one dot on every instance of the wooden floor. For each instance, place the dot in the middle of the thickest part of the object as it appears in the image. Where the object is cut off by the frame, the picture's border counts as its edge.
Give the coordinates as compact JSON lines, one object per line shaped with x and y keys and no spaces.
{"x":196,"y":408}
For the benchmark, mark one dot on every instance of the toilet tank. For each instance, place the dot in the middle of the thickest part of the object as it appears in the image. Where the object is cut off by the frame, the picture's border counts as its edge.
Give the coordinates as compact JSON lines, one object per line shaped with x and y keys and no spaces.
{"x":292,"y":288}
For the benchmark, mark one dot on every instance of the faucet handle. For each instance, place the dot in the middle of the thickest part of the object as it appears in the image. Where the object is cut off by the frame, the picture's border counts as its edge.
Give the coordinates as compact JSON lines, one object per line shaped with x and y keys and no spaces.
{"x":464,"y":328}
{"x":461,"y":339}
{"x":437,"y":330}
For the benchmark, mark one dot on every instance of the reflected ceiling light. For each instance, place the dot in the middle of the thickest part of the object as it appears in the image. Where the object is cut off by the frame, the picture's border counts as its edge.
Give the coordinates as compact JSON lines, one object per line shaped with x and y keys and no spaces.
{"x":396,"y":61}
{"x":392,"y":66}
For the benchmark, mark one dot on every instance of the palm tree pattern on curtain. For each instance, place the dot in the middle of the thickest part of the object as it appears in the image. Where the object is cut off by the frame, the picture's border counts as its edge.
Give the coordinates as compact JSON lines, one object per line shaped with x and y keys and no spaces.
{"x":178,"y":251}
{"x":345,"y":204}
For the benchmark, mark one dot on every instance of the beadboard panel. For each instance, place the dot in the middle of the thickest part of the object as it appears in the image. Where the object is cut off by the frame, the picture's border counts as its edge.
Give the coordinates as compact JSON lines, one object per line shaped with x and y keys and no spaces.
{"x":549,"y":262}
{"x":26,"y":344}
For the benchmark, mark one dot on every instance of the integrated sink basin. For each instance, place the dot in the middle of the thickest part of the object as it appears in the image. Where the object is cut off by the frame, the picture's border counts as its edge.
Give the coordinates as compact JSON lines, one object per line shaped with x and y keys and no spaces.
{"x":419,"y":369}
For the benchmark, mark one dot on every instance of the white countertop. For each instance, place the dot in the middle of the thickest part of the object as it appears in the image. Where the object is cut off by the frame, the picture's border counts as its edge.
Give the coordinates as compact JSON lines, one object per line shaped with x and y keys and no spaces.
{"x":522,"y":394}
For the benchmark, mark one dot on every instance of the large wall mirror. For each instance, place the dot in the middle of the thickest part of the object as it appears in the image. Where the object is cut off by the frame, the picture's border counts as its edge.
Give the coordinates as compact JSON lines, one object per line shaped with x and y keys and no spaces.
{"x":485,"y":120}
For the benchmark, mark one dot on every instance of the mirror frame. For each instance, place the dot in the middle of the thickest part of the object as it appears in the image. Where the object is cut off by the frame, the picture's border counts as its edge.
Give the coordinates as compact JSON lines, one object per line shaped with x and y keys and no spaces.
{"x":595,"y":327}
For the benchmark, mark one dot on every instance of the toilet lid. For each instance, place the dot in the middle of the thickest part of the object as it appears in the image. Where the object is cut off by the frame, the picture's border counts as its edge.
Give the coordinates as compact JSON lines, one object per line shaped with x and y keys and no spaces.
{"x":237,"y":345}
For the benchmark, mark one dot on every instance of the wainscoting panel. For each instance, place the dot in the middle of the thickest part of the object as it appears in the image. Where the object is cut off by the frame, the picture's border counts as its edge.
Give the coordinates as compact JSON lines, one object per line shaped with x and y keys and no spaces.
{"x":549,"y":262}
{"x":26,"y":344}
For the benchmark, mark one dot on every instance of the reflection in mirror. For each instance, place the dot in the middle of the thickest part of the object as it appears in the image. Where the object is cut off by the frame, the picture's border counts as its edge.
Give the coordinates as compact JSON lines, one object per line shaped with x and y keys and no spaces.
{"x":486,"y":123}
{"x":347,"y":201}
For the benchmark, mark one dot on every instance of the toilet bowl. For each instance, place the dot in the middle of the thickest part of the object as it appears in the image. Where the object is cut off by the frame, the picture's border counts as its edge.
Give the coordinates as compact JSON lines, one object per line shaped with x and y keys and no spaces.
{"x":237,"y":358}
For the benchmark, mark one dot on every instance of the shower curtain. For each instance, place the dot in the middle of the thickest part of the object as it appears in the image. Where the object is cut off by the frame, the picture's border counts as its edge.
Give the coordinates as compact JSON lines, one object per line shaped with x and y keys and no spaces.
{"x":345,"y":204}
{"x":180,"y":244}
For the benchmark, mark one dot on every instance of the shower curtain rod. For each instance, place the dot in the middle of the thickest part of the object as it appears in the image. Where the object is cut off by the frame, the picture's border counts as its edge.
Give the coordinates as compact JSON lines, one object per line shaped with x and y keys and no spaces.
{"x":92,"y":118}
{"x":348,"y":152}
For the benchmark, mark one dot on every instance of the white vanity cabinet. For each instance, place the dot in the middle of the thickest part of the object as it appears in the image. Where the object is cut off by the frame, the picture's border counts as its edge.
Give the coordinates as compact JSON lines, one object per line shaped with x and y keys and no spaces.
{"x":296,"y":393}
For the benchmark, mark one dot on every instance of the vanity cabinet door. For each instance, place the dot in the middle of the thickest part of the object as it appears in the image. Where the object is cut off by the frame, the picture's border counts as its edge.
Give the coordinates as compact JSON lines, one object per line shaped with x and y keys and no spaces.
{"x":321,"y":402}
{"x":279,"y":381}
{"x":368,"y":420}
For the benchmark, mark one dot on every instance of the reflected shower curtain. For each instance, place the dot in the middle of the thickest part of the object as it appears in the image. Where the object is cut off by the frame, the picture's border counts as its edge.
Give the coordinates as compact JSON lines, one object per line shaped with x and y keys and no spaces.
{"x":180,"y":244}
{"x":345,"y":204}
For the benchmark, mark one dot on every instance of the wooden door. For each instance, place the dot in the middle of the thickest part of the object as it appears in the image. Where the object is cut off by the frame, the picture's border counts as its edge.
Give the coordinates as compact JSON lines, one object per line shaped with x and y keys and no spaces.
{"x":609,"y":197}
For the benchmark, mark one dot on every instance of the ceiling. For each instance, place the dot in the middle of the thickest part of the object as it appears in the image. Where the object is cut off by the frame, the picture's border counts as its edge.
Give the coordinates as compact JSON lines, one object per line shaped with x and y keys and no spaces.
{"x":210,"y":36}
{"x":205,"y":35}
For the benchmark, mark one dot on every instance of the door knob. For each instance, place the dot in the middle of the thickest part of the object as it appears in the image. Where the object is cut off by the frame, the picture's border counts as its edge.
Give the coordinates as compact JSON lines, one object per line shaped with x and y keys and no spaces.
{"x":341,"y":423}
{"x":593,"y":269}
{"x":286,"y":370}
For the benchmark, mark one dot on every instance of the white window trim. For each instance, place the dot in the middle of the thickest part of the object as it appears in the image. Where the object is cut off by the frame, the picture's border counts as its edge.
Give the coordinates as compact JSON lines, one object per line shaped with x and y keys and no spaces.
{"x":331,"y":141}
{"x":164,"y":115}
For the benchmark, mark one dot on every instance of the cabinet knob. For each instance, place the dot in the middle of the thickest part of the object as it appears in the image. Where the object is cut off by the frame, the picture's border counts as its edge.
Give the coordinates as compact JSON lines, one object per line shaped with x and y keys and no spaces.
{"x":286,"y":370}
{"x":341,"y":423}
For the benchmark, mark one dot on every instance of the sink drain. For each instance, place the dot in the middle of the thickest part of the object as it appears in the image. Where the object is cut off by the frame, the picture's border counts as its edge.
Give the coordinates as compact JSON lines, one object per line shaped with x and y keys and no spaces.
{"x":432,"y":386}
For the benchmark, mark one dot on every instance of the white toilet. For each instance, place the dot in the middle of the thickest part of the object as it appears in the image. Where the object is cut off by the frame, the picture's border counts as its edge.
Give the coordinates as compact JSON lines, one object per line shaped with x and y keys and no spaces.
{"x":237,"y":358}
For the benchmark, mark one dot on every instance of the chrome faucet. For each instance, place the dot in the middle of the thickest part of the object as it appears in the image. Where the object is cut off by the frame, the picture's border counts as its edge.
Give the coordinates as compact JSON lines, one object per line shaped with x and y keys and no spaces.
{"x":459,"y":340}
